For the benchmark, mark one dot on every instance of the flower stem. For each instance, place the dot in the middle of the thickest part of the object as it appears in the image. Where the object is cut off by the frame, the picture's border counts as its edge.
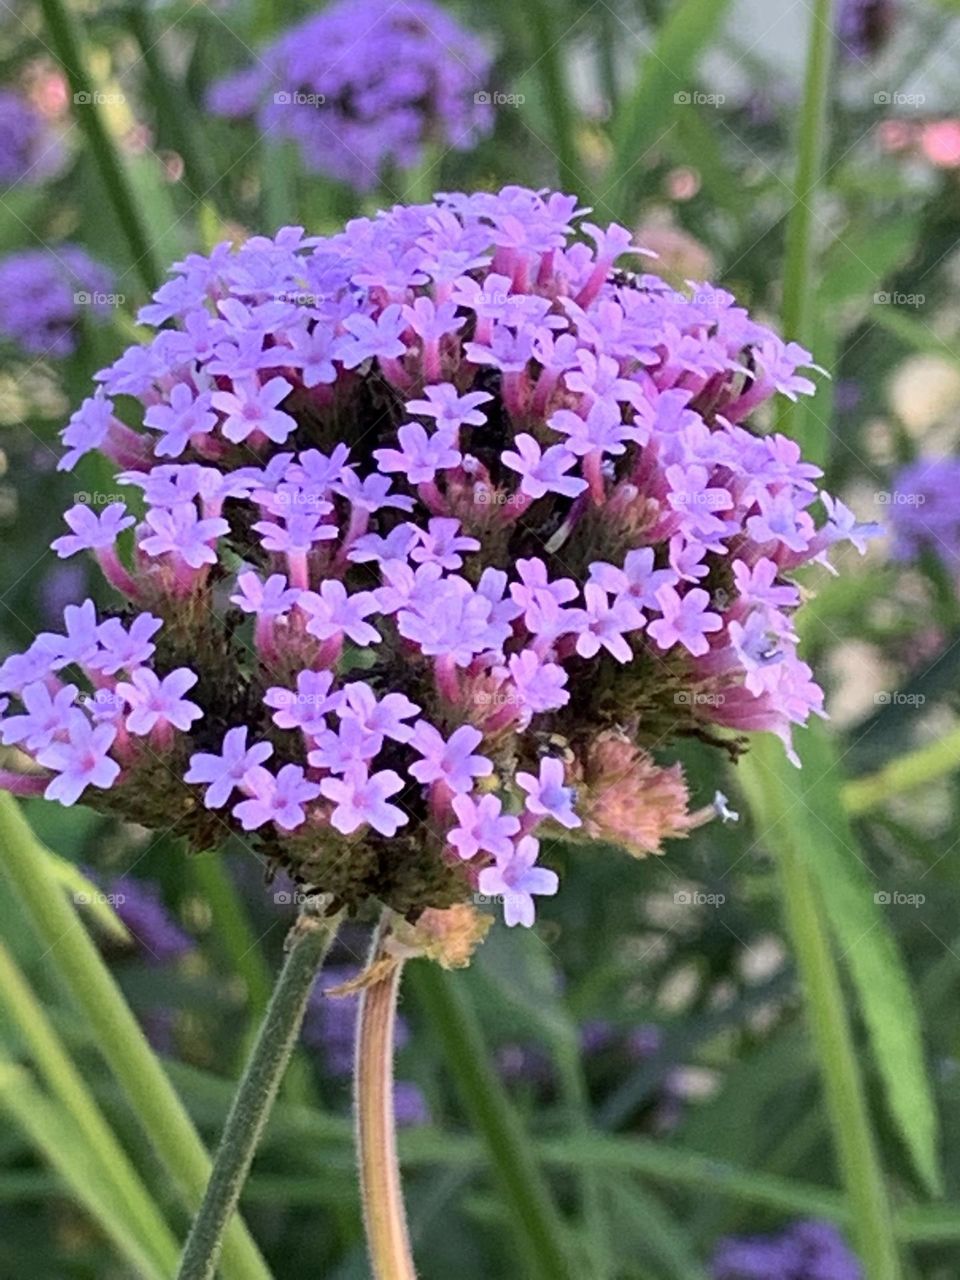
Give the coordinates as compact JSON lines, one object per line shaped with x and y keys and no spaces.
{"x":68,"y":47}
{"x":307,"y":946}
{"x":799,"y":281}
{"x":383,"y":1212}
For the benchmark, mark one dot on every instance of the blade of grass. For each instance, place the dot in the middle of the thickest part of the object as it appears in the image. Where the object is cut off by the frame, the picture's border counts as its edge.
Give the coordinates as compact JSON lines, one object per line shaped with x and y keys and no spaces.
{"x":666,"y":71}
{"x":66,"y":1084}
{"x":537,"y":1222}
{"x":119,"y":1037}
{"x":554,"y":82}
{"x":53,"y":1133}
{"x":172,"y":104}
{"x":829,"y":1024}
{"x":68,"y":48}
{"x":915,"y":769}
{"x":799,"y":320}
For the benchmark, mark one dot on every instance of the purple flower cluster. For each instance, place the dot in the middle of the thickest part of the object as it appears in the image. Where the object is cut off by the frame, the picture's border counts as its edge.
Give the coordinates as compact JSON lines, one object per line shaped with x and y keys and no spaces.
{"x":419,"y":498}
{"x":46,"y":294}
{"x":29,"y":149}
{"x":925,"y":510}
{"x":365,"y":86}
{"x":804,"y":1251}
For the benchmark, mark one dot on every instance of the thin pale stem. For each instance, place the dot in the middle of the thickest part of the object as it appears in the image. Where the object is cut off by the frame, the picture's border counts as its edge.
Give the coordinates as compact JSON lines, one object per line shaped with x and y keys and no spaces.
{"x":384,"y":1215}
{"x":307,"y":946}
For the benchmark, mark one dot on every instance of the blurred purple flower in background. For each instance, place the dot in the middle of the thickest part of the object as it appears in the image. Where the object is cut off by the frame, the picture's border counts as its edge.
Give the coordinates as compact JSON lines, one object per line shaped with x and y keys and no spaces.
{"x":30,"y":150}
{"x":925,"y":510}
{"x":45,"y":294}
{"x":140,"y":906}
{"x":807,"y":1250}
{"x":367,"y":86}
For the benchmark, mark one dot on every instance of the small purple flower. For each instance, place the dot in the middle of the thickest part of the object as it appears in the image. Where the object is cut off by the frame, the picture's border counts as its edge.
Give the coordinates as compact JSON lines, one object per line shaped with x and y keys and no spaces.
{"x":334,"y":613}
{"x":638,"y":579}
{"x":124,"y":650}
{"x":547,"y":797}
{"x":686,"y":620}
{"x":381,"y":718}
{"x":253,"y":408}
{"x":279,"y":799}
{"x":44,"y":718}
{"x":604,"y":625}
{"x":181,"y":532}
{"x":307,"y":707}
{"x":541,"y":472}
{"x":226,"y":771}
{"x":450,"y":409}
{"x":441,"y":543}
{"x":450,"y":760}
{"x":159,"y":702}
{"x":270,"y":599}
{"x":81,"y":760}
{"x":185,"y":416}
{"x":374,"y":337}
{"x":420,"y":456}
{"x":90,"y":530}
{"x":482,"y":827}
{"x":360,"y":799}
{"x":81,"y":643}
{"x":516,"y":879}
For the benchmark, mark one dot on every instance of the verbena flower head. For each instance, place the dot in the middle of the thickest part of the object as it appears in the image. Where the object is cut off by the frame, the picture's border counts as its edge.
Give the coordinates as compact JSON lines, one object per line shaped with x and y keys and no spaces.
{"x":925,"y":510}
{"x":365,"y":86}
{"x":397,"y":612}
{"x":30,"y":151}
{"x":807,"y":1250}
{"x":47,"y":294}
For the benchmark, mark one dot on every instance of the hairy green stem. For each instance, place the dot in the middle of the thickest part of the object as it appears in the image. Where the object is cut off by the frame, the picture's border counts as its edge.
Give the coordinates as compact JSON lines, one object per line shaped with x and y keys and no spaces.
{"x":68,"y":47}
{"x":307,"y":947}
{"x":385,"y":1219}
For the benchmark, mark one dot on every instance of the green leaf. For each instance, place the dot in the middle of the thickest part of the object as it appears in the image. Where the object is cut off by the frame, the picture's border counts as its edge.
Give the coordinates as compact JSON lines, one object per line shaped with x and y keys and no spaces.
{"x":55,"y":1135}
{"x":805,"y":808}
{"x":653,"y":110}
{"x":120,"y":1039}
